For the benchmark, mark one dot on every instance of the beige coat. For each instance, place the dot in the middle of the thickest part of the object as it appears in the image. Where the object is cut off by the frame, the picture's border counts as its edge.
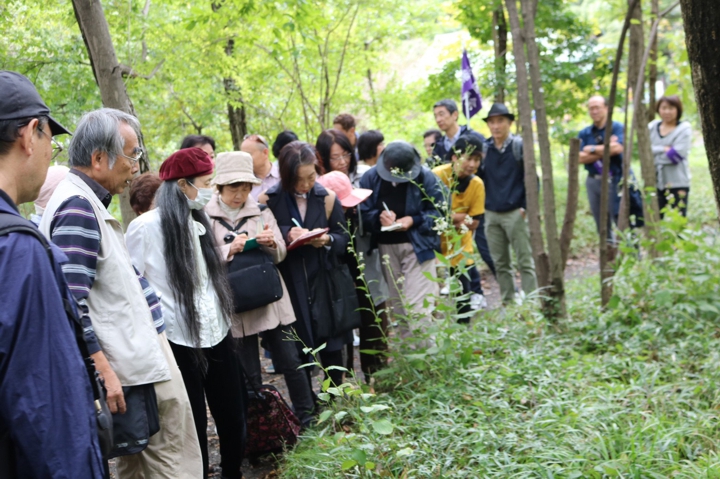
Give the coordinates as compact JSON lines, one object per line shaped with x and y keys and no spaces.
{"x":274,"y":314}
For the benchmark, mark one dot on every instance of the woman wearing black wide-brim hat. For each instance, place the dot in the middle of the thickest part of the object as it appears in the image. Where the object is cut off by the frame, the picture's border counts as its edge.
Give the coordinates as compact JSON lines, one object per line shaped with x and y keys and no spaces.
{"x":401,"y":214}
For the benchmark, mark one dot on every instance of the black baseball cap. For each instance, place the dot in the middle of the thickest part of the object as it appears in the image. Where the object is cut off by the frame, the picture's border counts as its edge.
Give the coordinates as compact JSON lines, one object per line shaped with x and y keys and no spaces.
{"x":399,"y":162}
{"x":20,"y":99}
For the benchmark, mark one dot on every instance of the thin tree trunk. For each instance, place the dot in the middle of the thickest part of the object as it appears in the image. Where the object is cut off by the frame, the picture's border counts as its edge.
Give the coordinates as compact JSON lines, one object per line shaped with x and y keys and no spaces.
{"x":500,"y":36}
{"x":605,"y":271}
{"x":653,"y":71}
{"x":542,"y":264}
{"x":108,"y":75}
{"x":237,"y":120}
{"x":556,"y":306}
{"x":571,"y":205}
{"x":702,"y":30}
{"x":647,"y":163}
{"x":624,"y":213}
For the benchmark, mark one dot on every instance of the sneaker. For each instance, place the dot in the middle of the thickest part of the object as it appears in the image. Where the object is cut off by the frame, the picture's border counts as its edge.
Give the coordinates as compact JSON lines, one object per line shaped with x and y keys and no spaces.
{"x":356,"y":339}
{"x":478,"y":301}
{"x":445,"y":290}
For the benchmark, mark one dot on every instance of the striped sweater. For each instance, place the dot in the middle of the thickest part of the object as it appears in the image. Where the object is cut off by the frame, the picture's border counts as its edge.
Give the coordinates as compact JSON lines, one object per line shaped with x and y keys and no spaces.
{"x":76,"y":231}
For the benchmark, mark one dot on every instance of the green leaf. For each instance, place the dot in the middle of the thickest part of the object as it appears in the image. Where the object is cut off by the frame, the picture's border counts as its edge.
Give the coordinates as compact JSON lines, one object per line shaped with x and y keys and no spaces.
{"x":383,"y":426}
{"x":635,"y":21}
{"x":369,"y":465}
{"x":359,"y":455}
{"x":324,"y":416}
{"x":614,"y":302}
{"x":340,"y":415}
{"x":350,"y":463}
{"x":373,"y":408}
{"x":671,"y":90}
{"x":404,"y":452}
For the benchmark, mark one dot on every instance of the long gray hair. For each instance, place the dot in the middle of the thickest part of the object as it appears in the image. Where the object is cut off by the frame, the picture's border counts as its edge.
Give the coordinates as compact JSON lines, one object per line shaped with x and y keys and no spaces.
{"x":180,"y":256}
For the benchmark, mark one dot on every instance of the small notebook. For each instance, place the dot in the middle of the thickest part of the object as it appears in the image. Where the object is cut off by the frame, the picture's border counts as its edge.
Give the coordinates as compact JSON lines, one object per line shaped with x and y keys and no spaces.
{"x":306,"y":238}
{"x":392,"y":227}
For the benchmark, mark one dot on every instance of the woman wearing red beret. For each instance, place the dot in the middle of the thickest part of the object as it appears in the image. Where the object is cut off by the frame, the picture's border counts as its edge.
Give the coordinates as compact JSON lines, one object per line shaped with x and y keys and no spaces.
{"x":174,"y":248}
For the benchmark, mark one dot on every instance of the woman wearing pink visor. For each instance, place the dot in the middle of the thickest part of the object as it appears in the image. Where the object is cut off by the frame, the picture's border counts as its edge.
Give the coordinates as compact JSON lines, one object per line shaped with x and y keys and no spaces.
{"x":373,"y":334}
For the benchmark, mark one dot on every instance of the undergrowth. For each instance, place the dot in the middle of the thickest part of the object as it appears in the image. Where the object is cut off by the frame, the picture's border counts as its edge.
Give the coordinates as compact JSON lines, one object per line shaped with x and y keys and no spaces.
{"x":629,"y":392}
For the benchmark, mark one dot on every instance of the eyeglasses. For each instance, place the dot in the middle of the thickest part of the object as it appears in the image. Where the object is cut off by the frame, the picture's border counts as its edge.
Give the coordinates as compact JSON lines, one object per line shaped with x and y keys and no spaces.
{"x":258,"y":138}
{"x":133,"y":161}
{"x":344,"y":156}
{"x":56,"y":145}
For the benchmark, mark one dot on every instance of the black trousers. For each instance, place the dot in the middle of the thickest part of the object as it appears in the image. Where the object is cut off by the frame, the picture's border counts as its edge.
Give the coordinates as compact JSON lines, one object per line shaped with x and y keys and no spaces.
{"x":286,"y":358}
{"x":223,"y":385}
{"x":464,"y":305}
{"x":675,"y":198}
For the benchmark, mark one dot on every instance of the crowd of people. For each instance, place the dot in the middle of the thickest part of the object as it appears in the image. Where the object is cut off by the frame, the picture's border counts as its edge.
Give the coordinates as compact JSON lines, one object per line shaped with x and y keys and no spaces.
{"x":231,"y":252}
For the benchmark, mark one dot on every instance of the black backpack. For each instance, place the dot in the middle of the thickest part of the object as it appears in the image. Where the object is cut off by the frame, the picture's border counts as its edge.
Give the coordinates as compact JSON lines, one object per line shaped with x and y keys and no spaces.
{"x":10,"y":223}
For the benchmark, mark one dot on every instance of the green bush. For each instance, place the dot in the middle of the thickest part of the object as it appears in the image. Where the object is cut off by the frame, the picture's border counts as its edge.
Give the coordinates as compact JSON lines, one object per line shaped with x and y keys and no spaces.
{"x":628,"y":392}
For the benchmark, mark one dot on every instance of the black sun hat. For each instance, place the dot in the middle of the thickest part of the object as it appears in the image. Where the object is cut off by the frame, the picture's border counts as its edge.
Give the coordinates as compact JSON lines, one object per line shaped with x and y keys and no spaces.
{"x":20,"y":99}
{"x":499,"y":109}
{"x":399,"y":162}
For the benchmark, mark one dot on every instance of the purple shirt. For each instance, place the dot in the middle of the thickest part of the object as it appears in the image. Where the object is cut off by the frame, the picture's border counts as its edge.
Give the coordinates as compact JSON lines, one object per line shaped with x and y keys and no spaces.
{"x":272,"y":178}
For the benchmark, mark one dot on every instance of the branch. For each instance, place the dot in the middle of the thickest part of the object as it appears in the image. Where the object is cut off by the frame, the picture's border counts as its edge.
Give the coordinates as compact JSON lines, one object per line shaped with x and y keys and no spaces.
{"x":128,"y":71}
{"x":344,"y":50}
{"x":197,"y":127}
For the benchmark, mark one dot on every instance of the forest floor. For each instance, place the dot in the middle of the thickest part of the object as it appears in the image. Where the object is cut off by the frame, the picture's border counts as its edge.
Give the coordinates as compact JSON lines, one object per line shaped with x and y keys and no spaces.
{"x":580,"y":266}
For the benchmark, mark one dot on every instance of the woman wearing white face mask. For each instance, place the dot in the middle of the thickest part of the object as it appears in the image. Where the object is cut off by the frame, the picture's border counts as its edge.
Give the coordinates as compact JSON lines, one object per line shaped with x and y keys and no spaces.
{"x":174,"y":248}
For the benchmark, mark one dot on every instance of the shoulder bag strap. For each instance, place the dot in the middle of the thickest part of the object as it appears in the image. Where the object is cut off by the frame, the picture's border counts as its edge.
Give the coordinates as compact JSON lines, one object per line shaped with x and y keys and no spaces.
{"x":14,"y":224}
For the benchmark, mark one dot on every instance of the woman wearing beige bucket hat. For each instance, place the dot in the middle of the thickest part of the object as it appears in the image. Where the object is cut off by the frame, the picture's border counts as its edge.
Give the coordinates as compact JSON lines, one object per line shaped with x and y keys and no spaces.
{"x":236,"y":219}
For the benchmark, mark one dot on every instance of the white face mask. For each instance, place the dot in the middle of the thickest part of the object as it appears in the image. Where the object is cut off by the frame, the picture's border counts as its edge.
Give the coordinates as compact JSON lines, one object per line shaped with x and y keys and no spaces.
{"x":203,"y":197}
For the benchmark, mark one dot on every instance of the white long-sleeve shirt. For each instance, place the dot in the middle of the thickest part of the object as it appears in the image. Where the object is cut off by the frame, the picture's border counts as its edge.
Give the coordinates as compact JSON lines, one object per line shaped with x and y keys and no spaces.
{"x":144,"y":240}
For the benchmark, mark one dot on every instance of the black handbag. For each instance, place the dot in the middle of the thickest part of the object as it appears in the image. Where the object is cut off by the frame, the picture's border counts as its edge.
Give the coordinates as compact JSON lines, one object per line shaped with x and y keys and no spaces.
{"x":132,"y":430}
{"x":345,"y":304}
{"x":253,"y":277}
{"x":10,"y":224}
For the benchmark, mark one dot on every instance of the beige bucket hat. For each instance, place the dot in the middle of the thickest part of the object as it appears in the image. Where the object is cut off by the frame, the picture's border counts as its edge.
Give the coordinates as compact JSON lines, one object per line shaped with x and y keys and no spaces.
{"x":234,"y":167}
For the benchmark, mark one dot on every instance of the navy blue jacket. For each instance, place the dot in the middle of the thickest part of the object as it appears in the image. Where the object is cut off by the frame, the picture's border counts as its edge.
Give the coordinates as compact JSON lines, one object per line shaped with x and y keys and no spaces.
{"x":423,"y":208}
{"x":45,"y":397}
{"x":439,"y":149}
{"x":301,"y":265}
{"x":504,"y":177}
{"x":591,"y":135}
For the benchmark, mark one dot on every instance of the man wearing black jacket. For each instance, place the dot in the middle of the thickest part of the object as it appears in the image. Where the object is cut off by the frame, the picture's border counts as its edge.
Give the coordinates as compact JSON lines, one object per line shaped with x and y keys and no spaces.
{"x":446,"y":116}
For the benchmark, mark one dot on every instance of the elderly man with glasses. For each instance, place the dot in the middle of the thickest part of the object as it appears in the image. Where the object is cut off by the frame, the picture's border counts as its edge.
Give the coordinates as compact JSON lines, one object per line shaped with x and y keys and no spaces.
{"x":266,"y":171}
{"x":121,"y":313}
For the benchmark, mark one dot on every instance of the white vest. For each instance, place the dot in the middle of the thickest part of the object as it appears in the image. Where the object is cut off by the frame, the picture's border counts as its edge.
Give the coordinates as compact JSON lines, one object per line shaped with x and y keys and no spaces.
{"x":119,"y":312}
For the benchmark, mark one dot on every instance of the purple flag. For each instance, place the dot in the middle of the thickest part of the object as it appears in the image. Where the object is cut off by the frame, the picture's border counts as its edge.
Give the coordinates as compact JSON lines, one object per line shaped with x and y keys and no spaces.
{"x":471,"y":98}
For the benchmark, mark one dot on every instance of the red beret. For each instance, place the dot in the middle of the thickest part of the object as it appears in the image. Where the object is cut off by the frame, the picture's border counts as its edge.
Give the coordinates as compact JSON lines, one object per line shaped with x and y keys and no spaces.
{"x":186,"y":164}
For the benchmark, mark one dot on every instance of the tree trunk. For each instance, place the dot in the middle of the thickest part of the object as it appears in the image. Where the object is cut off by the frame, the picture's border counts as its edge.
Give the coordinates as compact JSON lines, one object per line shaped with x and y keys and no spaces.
{"x":556,"y":292}
{"x":542,"y":265}
{"x":237,"y":120}
{"x":500,"y":36}
{"x":702,"y":30}
{"x":571,"y":206}
{"x":653,"y":71}
{"x":647,"y":163}
{"x":605,"y":270}
{"x":108,"y":75}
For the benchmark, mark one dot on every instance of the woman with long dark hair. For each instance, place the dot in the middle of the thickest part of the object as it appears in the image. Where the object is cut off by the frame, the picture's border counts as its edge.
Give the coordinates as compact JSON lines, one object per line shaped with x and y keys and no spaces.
{"x":336,"y":154}
{"x":174,"y":248}
{"x":301,"y":205}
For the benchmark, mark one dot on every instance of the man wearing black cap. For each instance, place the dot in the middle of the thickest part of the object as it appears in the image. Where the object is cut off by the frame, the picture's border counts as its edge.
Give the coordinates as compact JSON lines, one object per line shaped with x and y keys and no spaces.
{"x":504,"y":175}
{"x":401,"y":216}
{"x":47,"y":417}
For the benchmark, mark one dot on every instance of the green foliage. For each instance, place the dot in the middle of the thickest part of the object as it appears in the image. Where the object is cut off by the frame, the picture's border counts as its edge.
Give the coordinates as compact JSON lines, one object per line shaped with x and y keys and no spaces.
{"x":630,"y":392}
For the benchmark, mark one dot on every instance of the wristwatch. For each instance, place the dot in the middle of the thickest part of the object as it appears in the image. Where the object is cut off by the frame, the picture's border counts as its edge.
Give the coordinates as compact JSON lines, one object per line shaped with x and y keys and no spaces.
{"x":592,"y":149}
